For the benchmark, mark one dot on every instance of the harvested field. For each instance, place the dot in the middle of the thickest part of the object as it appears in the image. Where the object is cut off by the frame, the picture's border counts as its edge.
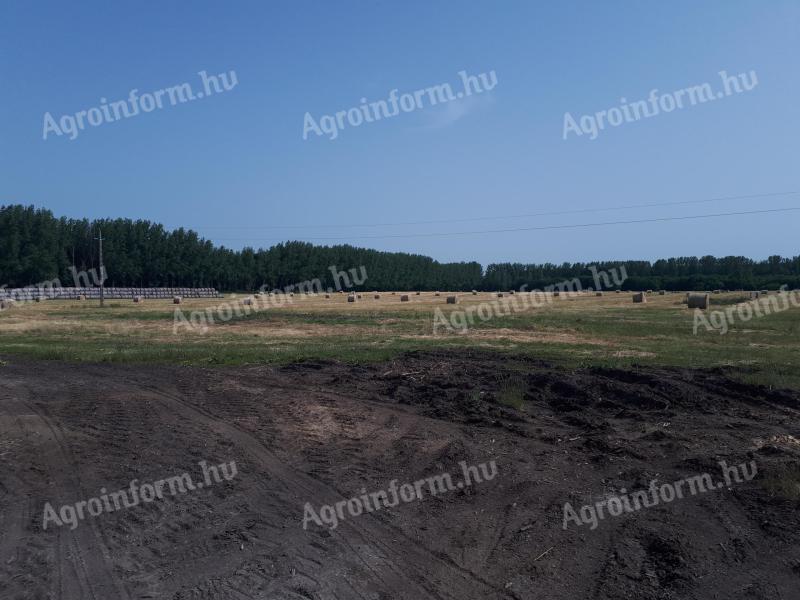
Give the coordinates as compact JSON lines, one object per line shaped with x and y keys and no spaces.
{"x":324,"y":431}
{"x":571,"y":329}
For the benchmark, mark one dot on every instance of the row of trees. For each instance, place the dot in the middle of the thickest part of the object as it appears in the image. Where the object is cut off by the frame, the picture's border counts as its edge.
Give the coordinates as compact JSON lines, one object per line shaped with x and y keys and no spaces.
{"x":685,"y":273}
{"x":36,"y":247}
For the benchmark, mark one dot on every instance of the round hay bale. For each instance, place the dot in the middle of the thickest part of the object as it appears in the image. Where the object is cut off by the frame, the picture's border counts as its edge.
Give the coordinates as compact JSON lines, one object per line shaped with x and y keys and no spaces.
{"x":359,"y":296}
{"x":404,"y":298}
{"x":137,"y":299}
{"x":377,"y":297}
{"x":556,"y":294}
{"x":617,"y":291}
{"x":452,"y":300}
{"x":247,"y":302}
{"x":474,"y":292}
{"x":511,"y":292}
{"x":177,"y":300}
{"x":436,"y":294}
{"x":82,"y":297}
{"x":598,"y":293}
{"x":327,"y":296}
{"x":351,"y":298}
{"x":639,"y":298}
{"x":418,"y":293}
{"x":662,"y":293}
{"x":499,"y":294}
{"x":698,"y":300}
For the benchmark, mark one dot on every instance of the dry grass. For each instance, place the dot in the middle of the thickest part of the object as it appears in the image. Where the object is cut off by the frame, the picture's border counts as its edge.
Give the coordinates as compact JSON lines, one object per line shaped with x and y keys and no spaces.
{"x":591,"y":329}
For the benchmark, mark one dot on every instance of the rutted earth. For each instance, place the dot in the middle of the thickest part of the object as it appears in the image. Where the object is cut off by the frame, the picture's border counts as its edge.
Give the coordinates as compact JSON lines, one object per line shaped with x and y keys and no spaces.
{"x":324,"y":432}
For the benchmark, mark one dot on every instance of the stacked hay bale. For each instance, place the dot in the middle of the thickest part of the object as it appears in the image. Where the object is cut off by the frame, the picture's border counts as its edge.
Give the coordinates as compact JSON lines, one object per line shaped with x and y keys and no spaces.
{"x":452,"y":299}
{"x":640,"y":298}
{"x":698,"y":300}
{"x":247,"y":302}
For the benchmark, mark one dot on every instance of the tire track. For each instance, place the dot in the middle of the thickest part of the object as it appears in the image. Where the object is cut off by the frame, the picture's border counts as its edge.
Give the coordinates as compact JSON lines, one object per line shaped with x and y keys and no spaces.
{"x":86,"y":545}
{"x":89,"y":573}
{"x":426,"y":568}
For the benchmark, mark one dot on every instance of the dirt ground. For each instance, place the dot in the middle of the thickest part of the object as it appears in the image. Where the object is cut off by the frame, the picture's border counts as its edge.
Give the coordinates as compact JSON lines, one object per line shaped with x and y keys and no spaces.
{"x":322,"y":432}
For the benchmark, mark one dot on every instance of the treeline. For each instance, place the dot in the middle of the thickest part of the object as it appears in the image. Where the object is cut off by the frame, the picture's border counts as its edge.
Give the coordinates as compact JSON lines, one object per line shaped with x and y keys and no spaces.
{"x":675,"y":274}
{"x":36,"y":247}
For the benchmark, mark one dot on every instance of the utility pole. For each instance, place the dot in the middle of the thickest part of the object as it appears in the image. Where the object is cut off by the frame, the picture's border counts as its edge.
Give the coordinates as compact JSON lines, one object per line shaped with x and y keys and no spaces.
{"x":102,"y":271}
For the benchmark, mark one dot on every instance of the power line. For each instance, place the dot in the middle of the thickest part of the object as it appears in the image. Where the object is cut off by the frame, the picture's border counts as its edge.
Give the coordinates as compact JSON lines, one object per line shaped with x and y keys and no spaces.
{"x":498,"y":218}
{"x":542,"y":228}
{"x":102,"y":271}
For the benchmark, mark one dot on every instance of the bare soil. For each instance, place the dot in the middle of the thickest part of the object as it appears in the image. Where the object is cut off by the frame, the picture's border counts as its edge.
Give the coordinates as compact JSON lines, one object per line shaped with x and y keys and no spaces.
{"x":323,"y":432}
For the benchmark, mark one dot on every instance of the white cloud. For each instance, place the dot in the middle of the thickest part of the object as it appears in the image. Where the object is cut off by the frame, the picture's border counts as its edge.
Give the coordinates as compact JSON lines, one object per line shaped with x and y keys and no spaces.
{"x":455,"y":110}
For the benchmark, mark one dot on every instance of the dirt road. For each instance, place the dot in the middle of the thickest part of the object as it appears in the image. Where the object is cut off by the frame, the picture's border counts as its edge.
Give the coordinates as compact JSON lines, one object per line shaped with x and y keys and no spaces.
{"x":321,"y":433}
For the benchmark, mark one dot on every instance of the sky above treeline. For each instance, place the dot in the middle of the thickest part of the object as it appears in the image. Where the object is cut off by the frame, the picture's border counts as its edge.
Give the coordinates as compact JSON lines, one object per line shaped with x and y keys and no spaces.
{"x":562,"y":126}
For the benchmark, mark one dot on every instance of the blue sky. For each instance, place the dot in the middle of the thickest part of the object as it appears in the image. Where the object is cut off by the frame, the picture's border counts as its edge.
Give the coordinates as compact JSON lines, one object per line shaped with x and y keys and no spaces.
{"x":235,"y":165}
